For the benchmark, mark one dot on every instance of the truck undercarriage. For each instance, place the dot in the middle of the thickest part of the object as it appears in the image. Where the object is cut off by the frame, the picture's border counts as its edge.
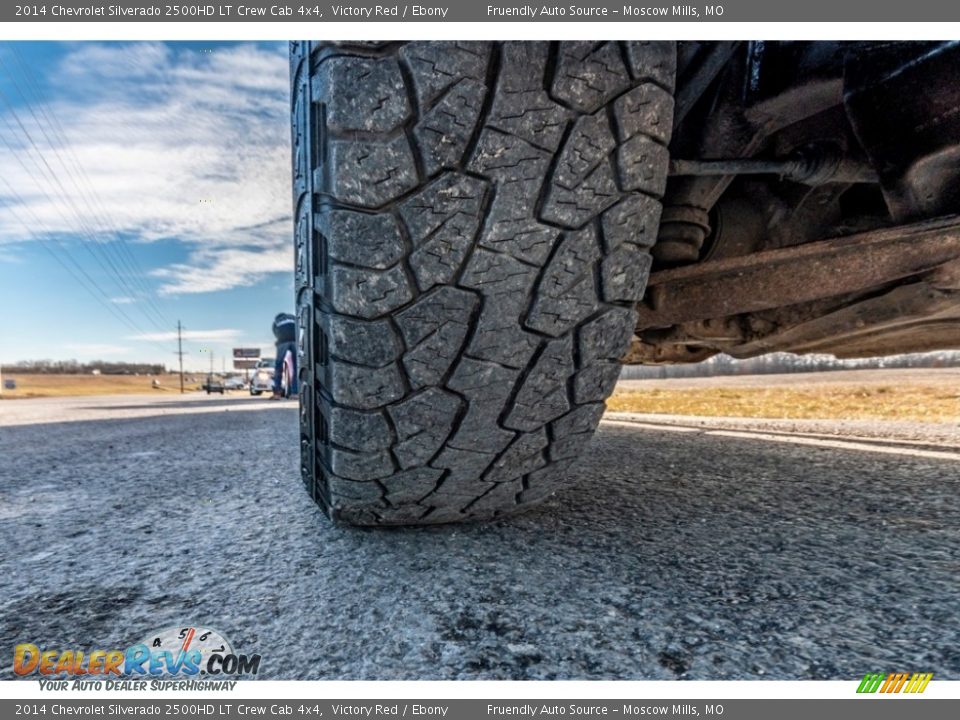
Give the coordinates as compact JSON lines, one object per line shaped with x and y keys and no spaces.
{"x":810,"y":205}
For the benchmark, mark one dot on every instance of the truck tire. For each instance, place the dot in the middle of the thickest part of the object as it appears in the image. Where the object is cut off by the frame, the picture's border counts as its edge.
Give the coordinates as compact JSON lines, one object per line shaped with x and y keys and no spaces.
{"x":472,"y":227}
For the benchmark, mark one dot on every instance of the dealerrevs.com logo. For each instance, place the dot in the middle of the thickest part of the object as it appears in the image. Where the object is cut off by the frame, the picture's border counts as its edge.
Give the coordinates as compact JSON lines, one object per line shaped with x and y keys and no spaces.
{"x":175,"y":652}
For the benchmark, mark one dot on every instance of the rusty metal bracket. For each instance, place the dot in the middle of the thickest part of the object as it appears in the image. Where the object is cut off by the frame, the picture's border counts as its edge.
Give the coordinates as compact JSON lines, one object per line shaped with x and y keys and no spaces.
{"x":811,"y":167}
{"x":776,"y":278}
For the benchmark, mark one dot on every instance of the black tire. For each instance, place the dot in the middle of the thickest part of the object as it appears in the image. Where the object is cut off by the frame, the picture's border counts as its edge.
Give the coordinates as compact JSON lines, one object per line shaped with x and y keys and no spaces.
{"x":473,"y":223}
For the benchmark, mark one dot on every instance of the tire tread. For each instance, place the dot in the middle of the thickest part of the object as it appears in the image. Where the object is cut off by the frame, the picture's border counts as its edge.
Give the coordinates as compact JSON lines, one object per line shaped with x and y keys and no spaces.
{"x":473,"y":226}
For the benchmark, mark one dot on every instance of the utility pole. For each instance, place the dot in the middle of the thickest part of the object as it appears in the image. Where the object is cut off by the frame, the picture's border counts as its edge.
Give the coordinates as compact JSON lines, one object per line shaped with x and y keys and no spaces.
{"x":180,"y":353}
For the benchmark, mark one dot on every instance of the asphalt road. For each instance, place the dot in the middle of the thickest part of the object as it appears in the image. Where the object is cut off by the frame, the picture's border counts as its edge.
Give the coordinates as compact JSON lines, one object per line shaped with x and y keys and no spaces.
{"x":679,"y":554}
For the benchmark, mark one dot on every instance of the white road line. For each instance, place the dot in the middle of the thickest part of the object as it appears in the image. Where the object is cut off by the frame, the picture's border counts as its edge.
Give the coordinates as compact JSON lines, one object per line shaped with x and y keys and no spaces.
{"x":652,"y":426}
{"x":667,"y":425}
{"x":795,"y":440}
{"x":839,"y":444}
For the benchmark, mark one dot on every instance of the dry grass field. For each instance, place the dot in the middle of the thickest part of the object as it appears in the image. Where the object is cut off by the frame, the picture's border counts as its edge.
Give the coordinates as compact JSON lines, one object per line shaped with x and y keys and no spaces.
{"x":916,"y":395}
{"x":30,"y":386}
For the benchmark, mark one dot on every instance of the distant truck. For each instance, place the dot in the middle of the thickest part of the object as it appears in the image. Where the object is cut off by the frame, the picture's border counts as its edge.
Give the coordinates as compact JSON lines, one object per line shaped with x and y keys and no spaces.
{"x":213,"y":385}
{"x":486,"y":231}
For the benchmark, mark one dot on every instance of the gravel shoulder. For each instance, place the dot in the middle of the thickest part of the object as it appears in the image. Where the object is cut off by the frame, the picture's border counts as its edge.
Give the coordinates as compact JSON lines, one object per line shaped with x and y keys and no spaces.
{"x":32,"y":411}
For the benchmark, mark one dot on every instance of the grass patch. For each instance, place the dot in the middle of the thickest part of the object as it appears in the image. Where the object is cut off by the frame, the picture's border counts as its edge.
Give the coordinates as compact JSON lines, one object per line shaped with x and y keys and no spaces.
{"x":918,"y":402}
{"x":32,"y":386}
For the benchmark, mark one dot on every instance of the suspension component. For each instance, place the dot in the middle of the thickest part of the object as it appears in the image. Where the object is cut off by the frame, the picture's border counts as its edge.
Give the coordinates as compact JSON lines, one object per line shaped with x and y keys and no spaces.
{"x":683,"y":229}
{"x":814,"y":165}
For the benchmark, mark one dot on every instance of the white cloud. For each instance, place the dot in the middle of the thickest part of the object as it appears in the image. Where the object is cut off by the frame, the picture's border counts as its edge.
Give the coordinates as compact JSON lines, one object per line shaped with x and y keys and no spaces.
{"x":223,"y":268}
{"x":224,"y":335}
{"x":177,"y":144}
{"x":123,"y":300}
{"x":98,"y":351}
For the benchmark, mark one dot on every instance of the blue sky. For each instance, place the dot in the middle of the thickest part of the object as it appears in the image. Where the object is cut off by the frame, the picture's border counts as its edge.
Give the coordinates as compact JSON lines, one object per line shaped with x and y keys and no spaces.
{"x":158,"y":174}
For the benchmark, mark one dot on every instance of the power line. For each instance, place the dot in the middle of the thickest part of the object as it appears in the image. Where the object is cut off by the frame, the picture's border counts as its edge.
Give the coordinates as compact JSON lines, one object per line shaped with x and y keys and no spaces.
{"x":52,"y":177}
{"x":62,"y":254}
{"x":58,"y":131}
{"x":93,"y":247}
{"x":80,"y":274}
{"x":125,"y":254}
{"x":13,"y":193}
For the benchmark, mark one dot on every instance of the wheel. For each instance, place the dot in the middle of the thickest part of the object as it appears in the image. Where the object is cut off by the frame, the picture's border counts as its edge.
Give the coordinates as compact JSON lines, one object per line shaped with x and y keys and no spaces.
{"x":473,"y":224}
{"x":287,"y":383}
{"x":254,"y":392}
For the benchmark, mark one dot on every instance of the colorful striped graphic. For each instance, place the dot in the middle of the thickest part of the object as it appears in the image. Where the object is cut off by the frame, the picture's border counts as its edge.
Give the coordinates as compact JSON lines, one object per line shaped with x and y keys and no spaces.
{"x":894,"y":683}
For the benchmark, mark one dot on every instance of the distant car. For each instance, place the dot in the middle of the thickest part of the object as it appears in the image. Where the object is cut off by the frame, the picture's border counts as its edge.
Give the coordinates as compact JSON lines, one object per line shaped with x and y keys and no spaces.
{"x":213,"y":385}
{"x":234,"y":383}
{"x":262,"y":380}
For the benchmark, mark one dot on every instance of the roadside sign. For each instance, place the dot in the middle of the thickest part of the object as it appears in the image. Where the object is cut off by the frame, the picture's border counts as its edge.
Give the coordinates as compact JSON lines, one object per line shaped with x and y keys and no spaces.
{"x":246,"y":353}
{"x":244,"y":364}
